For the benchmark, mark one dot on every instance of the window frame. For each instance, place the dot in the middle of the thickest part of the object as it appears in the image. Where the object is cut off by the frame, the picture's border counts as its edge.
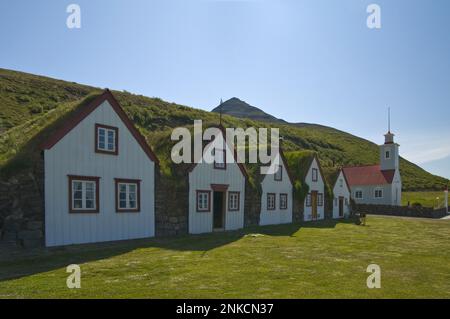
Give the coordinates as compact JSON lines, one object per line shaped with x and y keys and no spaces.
{"x":359,"y":191}
{"x":375,"y":193}
{"x":320,"y":200}
{"x":285,"y":195}
{"x":235,"y":209}
{"x":116,"y":139}
{"x":128,"y":181}
{"x":205,"y":210}
{"x":83,"y":179}
{"x":316,"y":171}
{"x":274,"y":195}
{"x":308,"y":200}
{"x":387,"y":154}
{"x":224,"y":167}
{"x":280,"y":169}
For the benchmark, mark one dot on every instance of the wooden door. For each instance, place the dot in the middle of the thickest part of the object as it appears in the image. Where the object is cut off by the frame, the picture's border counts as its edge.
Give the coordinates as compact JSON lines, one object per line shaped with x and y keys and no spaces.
{"x":341,"y":206}
{"x":314,"y":205}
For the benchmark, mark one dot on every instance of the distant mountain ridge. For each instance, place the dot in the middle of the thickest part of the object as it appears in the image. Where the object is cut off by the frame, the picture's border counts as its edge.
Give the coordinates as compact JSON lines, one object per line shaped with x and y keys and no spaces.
{"x":29,"y":104}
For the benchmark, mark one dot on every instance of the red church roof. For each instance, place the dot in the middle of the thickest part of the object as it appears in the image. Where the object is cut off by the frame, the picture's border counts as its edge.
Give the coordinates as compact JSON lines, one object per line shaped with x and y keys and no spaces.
{"x":368,"y":175}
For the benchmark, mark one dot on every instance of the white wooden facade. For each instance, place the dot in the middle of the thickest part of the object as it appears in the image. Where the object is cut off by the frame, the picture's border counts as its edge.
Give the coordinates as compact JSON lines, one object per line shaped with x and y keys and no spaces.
{"x":75,"y":155}
{"x":277,"y":186}
{"x":341,"y":191}
{"x":218,"y":185}
{"x":314,"y":206}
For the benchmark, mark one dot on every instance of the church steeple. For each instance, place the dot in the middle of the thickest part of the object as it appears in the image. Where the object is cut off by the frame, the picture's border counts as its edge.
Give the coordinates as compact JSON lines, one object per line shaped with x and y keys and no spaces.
{"x":389,"y":151}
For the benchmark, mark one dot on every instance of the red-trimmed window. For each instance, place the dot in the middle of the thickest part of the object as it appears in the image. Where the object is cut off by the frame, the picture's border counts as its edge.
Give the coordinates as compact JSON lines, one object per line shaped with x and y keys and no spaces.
{"x":315,"y":174}
{"x":83,"y":194}
{"x":106,"y":139}
{"x":220,"y":159}
{"x":278,"y":176}
{"x":233,"y":201}
{"x":308,"y":200}
{"x":128,"y":195}
{"x":271,"y":201}
{"x":283,"y":201}
{"x":203,"y":201}
{"x":319,"y":199}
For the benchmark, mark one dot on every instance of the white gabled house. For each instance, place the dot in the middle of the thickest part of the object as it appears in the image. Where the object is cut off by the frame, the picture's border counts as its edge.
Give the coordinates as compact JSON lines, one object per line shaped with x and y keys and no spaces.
{"x":99,"y":178}
{"x":276,"y":198}
{"x":342,"y":195}
{"x":217,"y":193}
{"x":314,"y":206}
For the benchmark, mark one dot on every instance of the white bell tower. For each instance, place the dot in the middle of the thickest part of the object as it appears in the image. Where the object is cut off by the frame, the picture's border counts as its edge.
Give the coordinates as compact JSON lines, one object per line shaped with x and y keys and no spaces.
{"x":389,"y":151}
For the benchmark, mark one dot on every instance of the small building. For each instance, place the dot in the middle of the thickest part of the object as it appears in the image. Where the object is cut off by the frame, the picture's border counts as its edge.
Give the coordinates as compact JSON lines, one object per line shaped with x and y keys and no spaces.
{"x":309,"y":185}
{"x":378,"y":184}
{"x":276,"y":197}
{"x":314,"y":208}
{"x":99,"y":177}
{"x":217,"y":192}
{"x":341,"y":193}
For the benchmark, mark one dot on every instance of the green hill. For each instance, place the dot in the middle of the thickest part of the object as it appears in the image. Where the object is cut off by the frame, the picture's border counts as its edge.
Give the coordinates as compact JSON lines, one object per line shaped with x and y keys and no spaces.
{"x":29,"y":104}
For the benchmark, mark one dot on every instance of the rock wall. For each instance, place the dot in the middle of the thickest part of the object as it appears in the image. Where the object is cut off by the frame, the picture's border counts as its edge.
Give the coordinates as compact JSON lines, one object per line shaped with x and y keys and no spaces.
{"x":252,"y":206}
{"x":171,"y":207}
{"x":406,"y":211}
{"x":22,"y":208}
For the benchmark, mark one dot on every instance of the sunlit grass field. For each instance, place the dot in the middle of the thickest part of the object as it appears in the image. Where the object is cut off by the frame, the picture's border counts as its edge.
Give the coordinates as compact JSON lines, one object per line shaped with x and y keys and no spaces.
{"x":315,"y":260}
{"x":426,"y":199}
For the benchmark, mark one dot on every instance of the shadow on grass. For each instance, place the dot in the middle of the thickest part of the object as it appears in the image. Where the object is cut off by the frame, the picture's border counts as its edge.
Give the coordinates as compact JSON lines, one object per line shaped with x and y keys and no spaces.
{"x":19,"y":263}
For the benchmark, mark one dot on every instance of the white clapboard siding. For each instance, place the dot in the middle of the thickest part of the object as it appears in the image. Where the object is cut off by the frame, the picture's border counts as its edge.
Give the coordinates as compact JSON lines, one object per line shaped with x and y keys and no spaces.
{"x":318,"y":186}
{"x":75,"y":154}
{"x":201,"y":178}
{"x":341,"y":190}
{"x":270,"y":185}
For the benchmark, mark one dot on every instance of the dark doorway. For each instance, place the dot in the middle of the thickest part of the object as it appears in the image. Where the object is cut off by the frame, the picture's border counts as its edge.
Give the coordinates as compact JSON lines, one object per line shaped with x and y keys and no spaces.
{"x":218,"y":210}
{"x":341,"y":206}
{"x":314,"y":205}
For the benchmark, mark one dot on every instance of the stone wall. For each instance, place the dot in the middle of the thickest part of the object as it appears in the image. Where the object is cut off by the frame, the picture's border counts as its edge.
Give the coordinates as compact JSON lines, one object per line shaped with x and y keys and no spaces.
{"x":22,"y":208}
{"x":252,"y":205}
{"x":406,"y":211}
{"x":171,"y":207}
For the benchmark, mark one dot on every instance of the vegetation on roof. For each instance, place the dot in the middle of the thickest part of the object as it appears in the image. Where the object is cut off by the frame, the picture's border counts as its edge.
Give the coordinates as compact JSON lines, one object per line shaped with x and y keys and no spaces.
{"x":30,"y":103}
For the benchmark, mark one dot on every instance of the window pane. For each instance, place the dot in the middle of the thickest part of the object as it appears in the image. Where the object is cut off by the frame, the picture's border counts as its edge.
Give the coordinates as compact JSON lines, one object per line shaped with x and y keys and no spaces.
{"x":89,"y":204}
{"x":77,"y":204}
{"x":123,"y":204}
{"x":132,"y":188}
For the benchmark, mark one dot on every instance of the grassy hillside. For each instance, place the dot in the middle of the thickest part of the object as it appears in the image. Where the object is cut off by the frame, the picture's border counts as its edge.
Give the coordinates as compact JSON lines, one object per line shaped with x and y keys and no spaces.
{"x":29,"y":104}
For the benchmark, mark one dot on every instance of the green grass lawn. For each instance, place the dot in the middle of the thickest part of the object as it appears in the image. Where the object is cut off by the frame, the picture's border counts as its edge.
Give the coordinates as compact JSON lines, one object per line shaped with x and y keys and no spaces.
{"x":426,"y":199}
{"x":324,"y":259}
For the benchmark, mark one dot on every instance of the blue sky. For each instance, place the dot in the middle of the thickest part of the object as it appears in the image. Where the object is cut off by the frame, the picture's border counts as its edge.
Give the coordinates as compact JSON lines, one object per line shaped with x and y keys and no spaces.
{"x":305,"y":61}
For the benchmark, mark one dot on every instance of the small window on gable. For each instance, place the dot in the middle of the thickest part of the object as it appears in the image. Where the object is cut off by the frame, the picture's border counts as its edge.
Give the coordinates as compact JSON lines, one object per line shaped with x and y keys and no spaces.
{"x":128,"y":195}
{"x":283,"y":201}
{"x":106,"y":139}
{"x":203,"y":201}
{"x":341,"y":182}
{"x":315,"y":174}
{"x":220,"y":159}
{"x":388,"y":154}
{"x":270,"y":201}
{"x":233,"y":201}
{"x":84,"y":194}
{"x":278,"y":176}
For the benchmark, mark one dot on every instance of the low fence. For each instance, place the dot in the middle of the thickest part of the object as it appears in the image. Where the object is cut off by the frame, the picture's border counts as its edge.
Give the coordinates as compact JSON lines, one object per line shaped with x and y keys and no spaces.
{"x":412,"y":211}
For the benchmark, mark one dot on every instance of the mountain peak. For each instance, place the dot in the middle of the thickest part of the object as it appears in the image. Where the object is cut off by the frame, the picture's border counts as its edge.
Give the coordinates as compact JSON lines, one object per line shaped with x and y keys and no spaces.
{"x":239,"y":108}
